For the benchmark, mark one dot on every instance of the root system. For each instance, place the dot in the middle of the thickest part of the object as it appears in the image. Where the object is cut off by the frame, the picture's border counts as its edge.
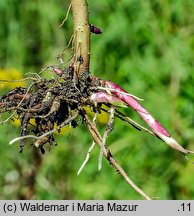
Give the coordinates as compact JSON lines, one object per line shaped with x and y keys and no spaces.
{"x":48,"y":104}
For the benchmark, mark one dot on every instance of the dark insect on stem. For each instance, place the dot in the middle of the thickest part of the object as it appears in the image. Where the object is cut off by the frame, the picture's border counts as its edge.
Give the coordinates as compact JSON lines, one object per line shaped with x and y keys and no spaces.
{"x":95,"y":30}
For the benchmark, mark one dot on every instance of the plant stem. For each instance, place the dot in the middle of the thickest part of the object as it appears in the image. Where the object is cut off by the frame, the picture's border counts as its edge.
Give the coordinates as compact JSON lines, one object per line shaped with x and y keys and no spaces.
{"x":82,"y":36}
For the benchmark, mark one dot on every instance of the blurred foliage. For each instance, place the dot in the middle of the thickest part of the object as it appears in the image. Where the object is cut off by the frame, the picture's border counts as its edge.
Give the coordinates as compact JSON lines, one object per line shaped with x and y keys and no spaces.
{"x":147,"y":47}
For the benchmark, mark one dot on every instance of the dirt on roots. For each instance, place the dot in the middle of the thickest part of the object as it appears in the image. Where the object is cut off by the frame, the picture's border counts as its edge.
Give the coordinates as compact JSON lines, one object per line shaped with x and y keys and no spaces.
{"x":50,"y":103}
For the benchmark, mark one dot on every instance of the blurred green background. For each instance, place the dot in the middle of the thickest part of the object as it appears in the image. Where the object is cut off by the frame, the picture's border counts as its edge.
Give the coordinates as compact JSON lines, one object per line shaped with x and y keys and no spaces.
{"x":147,"y":47}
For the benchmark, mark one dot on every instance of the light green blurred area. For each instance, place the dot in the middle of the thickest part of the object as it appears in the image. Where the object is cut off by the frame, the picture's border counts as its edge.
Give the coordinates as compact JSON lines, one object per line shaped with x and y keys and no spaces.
{"x":147,"y":47}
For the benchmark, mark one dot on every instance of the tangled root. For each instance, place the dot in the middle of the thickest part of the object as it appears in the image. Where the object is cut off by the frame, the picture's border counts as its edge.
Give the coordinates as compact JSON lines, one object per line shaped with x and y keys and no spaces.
{"x":50,"y":103}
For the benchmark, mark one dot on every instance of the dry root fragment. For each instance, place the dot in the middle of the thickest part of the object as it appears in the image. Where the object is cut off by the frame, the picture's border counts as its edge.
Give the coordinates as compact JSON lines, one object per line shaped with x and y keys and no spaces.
{"x":108,"y":130}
